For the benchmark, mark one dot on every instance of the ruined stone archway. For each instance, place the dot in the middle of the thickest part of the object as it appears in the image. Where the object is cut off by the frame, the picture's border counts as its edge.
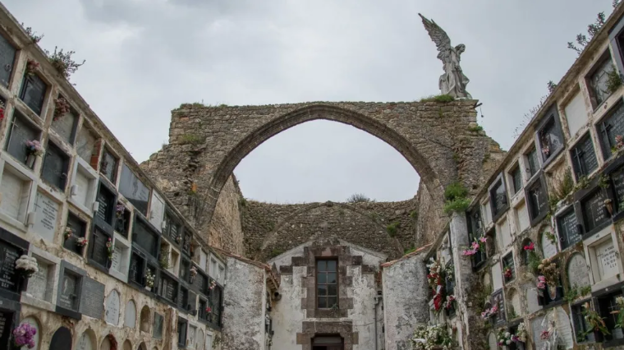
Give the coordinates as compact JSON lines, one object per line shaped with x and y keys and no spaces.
{"x":207,"y":143}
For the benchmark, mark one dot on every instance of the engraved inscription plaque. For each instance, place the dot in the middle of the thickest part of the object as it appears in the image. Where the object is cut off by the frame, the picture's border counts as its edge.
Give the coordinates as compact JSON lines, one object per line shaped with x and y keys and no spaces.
{"x":92,"y":303}
{"x":46,"y":213}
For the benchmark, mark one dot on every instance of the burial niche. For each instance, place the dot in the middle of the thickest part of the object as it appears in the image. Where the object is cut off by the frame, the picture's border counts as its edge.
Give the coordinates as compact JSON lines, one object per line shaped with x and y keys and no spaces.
{"x":62,"y":340}
{"x":145,"y":319}
{"x":130,"y":314}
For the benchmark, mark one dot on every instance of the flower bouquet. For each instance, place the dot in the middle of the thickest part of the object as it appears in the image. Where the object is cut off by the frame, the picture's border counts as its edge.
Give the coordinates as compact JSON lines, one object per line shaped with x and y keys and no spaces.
{"x":24,"y":335}
{"x":530,"y":247}
{"x":504,"y":338}
{"x":149,"y":280}
{"x":82,"y":241}
{"x":110,"y":249}
{"x":68,"y":232}
{"x":120,"y":210}
{"x":507,"y":273}
{"x":475,"y":246}
{"x":27,"y":265}
{"x":208,"y":309}
{"x":61,"y":107}
{"x":213,"y":284}
{"x":33,"y":147}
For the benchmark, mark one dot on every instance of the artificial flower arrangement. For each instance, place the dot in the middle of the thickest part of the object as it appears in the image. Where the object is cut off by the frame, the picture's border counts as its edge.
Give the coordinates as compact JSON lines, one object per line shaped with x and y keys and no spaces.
{"x":68,"y":232}
{"x":110,"y":248}
{"x":1,"y":110}
{"x":61,"y":107}
{"x":619,"y":144}
{"x":504,"y":338}
{"x":82,"y":241}
{"x":193,"y":271}
{"x":213,"y":284}
{"x":149,"y":279}
{"x":521,"y":334}
{"x":208,"y":309}
{"x":432,"y":337}
{"x":450,"y":301}
{"x":508,"y":273}
{"x":436,"y":283}
{"x":491,"y":312}
{"x":593,"y":319}
{"x":24,"y":335}
{"x":549,"y":274}
{"x":33,"y":147}
{"x":120,"y":209}
{"x":476,"y":246}
{"x":27,"y":265}
{"x":530,"y":247}
{"x":31,"y":66}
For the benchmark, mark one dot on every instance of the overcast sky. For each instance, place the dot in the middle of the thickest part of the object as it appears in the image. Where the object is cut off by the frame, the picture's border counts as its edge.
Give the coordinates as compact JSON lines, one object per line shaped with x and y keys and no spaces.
{"x":146,"y":57}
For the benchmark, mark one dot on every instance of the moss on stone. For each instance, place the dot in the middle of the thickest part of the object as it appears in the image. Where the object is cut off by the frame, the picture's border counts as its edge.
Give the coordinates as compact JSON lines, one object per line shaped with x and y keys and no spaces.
{"x":190,"y":139}
{"x":392,"y":228}
{"x":438,"y":98}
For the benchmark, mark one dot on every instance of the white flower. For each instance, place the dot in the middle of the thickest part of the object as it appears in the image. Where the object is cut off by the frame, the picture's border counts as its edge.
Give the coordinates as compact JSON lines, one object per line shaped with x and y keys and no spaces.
{"x":27,"y":263}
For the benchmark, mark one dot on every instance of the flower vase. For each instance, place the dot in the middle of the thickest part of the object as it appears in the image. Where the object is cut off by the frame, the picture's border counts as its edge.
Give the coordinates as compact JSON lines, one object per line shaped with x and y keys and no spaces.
{"x":30,"y":160}
{"x":552,"y":291}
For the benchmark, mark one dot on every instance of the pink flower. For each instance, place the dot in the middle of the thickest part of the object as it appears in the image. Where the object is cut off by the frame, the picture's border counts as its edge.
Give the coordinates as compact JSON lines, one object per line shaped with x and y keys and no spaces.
{"x":475,"y":245}
{"x":545,"y":335}
{"x":494,"y":309}
{"x":483,"y":239}
{"x":530,"y":246}
{"x":469,"y":252}
{"x":541,"y":282}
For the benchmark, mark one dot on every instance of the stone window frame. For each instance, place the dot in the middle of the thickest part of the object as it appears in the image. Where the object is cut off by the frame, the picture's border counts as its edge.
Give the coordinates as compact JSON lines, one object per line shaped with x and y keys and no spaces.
{"x":115,"y":171}
{"x":344,"y":329}
{"x":550,"y":119}
{"x":59,"y":183}
{"x":83,"y":167}
{"x":605,"y":140}
{"x":80,"y":274}
{"x":528,"y":155}
{"x":515,"y":174}
{"x":24,"y":119}
{"x":539,"y":180}
{"x":578,"y":158}
{"x":589,"y":246}
{"x":16,"y":56}
{"x":9,"y":164}
{"x":53,"y":279}
{"x":604,"y":60}
{"x":326,"y":272}
{"x":26,"y":81}
{"x":499,"y":181}
{"x":126,"y":246}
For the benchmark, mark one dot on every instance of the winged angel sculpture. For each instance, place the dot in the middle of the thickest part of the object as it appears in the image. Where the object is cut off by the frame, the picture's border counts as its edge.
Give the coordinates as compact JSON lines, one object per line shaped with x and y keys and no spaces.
{"x":453,"y":82}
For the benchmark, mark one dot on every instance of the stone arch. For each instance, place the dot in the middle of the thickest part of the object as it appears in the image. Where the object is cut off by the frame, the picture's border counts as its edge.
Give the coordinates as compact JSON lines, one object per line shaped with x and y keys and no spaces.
{"x":142,"y":346}
{"x":62,"y":339}
{"x":87,"y":340}
{"x":34,"y":322}
{"x":127,"y":345}
{"x":112,"y":307}
{"x":577,"y":272}
{"x":384,"y":242}
{"x":130,"y":313}
{"x":514,"y":303}
{"x":144,"y":324}
{"x":108,"y":343}
{"x":207,"y":143}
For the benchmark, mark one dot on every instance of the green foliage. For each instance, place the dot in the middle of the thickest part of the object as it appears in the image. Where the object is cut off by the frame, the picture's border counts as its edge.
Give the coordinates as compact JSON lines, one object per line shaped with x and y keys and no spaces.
{"x":393,"y":228}
{"x":582,"y":183}
{"x":585,"y":290}
{"x":534,"y":262}
{"x":572,"y":294}
{"x":358,"y":198}
{"x":191,"y":139}
{"x":275,"y":252}
{"x":414,"y":214}
{"x":242,"y":202}
{"x":63,"y":62}
{"x":438,"y":98}
{"x":592,"y":30}
{"x":551,"y":86}
{"x":374,"y":216}
{"x":604,"y":181}
{"x":409,"y":250}
{"x":562,"y":188}
{"x":614,"y":80}
{"x":455,"y":195}
{"x":477,"y":128}
{"x":32,"y":34}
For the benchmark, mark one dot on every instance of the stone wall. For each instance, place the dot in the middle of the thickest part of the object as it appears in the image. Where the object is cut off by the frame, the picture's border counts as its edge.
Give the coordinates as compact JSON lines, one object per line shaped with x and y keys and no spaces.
{"x":206,"y":143}
{"x":271,"y":229}
{"x":406,"y":297}
{"x":225,"y":229}
{"x":244,"y":304}
{"x":296,"y":316}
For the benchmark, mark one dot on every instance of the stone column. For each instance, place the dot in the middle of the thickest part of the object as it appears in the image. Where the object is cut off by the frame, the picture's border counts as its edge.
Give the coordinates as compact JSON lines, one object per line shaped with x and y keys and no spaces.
{"x":465,"y":281}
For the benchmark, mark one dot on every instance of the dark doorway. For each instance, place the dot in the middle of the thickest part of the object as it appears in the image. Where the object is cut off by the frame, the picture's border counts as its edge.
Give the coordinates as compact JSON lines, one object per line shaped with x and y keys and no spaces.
{"x":327,"y":343}
{"x":61,"y":340}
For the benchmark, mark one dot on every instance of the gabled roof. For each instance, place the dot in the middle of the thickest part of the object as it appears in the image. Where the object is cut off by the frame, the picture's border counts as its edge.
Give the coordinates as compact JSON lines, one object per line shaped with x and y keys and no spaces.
{"x":271,"y":277}
{"x":406,"y":256}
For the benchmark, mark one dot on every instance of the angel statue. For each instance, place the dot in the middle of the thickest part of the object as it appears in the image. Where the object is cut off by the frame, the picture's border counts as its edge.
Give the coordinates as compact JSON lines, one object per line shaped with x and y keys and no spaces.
{"x":453,"y":82}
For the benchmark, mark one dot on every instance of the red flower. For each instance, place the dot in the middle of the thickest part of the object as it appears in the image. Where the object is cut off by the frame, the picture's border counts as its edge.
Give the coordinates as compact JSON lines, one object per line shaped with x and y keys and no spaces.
{"x":437,"y":301}
{"x":1,"y":113}
{"x":530,"y":246}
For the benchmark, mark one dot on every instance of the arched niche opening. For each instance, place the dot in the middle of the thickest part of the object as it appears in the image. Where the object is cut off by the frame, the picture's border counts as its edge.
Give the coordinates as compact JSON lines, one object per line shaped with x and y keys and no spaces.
{"x":87,"y":340}
{"x":130,"y":314}
{"x":528,"y":250}
{"x":142,"y":346}
{"x":62,"y":340}
{"x":108,"y":343}
{"x":112,"y":308}
{"x":33,"y":322}
{"x":144,"y":324}
{"x":127,"y":345}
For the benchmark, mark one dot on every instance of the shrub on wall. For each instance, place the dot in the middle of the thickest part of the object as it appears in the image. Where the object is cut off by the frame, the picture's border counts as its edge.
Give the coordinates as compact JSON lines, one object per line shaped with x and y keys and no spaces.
{"x":455,"y":195}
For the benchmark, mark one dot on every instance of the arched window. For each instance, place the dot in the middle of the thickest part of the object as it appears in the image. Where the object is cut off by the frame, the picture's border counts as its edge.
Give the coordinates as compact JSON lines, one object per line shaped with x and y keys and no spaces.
{"x":145,"y":319}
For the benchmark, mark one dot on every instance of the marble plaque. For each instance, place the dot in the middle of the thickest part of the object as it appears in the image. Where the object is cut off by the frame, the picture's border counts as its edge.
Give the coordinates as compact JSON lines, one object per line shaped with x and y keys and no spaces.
{"x":564,"y":328}
{"x":549,"y":248}
{"x":38,"y":283}
{"x":85,"y":342}
{"x":607,"y":260}
{"x":158,"y":325}
{"x":68,"y":293}
{"x":5,"y":323}
{"x":578,"y":273}
{"x":208,"y":342}
{"x":92,"y":303}
{"x":532,"y":301}
{"x":537,"y":326}
{"x":8,"y":276}
{"x":199,"y":339}
{"x":190,"y":338}
{"x":492,"y":342}
{"x":130,"y":314}
{"x":112,"y":308}
{"x":117,"y":258}
{"x":31,"y":321}
{"x":46,"y":213}
{"x":497,"y":276}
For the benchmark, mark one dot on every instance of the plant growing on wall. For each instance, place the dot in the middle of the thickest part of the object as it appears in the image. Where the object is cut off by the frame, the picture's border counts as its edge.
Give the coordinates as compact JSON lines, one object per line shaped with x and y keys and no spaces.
{"x":619,"y":302}
{"x":32,"y":34}
{"x":614,"y":80}
{"x":61,"y":107}
{"x":110,"y":249}
{"x":455,"y":194}
{"x":358,"y":198}
{"x":24,"y":335}
{"x":596,"y":323}
{"x":31,"y":66}
{"x":562,"y":188}
{"x":432,"y":337}
{"x":63,"y":62}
